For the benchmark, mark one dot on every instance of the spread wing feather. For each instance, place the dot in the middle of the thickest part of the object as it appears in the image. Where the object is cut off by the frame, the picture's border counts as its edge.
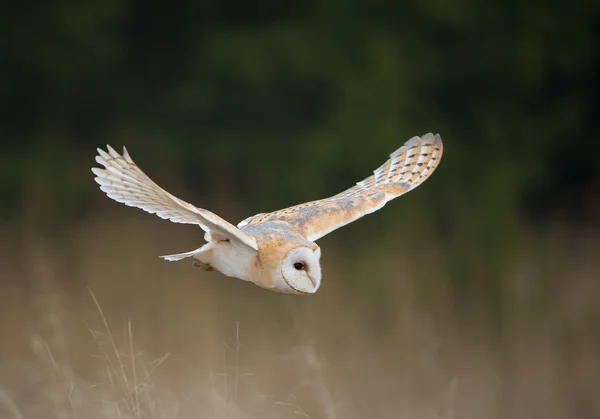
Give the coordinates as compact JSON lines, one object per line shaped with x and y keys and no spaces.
{"x":123,"y":181}
{"x":407,"y":168}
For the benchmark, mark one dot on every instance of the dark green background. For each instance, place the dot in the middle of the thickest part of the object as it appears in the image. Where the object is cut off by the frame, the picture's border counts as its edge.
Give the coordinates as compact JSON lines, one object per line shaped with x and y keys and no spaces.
{"x":285,"y":101}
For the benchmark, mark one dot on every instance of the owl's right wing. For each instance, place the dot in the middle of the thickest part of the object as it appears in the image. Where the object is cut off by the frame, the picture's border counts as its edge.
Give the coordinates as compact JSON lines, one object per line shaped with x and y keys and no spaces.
{"x":123,"y":181}
{"x":407,"y":168}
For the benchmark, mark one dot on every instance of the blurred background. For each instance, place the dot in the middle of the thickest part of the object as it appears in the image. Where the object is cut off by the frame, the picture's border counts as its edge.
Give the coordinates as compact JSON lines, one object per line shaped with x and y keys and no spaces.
{"x":474,"y":296}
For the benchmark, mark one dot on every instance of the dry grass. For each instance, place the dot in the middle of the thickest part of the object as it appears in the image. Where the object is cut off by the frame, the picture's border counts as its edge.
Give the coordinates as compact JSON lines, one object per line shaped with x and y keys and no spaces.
{"x":94,"y":326}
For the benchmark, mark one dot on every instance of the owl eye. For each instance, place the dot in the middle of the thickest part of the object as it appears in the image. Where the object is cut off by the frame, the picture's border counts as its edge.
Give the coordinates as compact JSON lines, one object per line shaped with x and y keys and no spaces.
{"x":298,"y":266}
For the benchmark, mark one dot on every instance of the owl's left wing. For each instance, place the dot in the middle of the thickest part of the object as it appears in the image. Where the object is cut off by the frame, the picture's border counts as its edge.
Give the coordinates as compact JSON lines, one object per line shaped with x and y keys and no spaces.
{"x":123,"y":181}
{"x":407,"y":168}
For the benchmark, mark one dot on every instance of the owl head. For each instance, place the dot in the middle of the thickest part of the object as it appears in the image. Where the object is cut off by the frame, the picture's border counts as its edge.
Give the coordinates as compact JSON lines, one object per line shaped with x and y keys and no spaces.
{"x":291,"y":267}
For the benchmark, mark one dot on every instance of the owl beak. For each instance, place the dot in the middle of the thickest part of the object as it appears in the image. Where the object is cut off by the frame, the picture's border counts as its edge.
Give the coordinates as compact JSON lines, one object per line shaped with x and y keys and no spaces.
{"x":312,"y":281}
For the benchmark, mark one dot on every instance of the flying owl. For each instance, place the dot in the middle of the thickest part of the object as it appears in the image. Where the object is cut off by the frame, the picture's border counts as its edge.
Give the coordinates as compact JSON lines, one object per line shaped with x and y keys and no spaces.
{"x":275,"y":250}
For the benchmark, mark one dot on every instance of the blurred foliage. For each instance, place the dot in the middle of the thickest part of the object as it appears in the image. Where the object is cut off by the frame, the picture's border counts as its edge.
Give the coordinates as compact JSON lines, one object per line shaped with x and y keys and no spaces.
{"x":266,"y":104}
{"x":245,"y":107}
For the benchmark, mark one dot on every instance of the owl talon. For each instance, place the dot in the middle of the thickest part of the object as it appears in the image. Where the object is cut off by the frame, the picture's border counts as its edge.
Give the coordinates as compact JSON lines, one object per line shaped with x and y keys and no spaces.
{"x":204,"y":266}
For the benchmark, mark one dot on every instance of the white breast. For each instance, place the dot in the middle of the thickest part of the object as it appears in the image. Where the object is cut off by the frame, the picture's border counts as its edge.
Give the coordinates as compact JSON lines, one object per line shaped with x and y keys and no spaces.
{"x":232,"y":260}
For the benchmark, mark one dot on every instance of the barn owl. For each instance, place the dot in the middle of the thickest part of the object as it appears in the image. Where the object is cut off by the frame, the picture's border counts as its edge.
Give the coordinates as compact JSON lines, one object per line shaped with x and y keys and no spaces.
{"x":275,"y":250}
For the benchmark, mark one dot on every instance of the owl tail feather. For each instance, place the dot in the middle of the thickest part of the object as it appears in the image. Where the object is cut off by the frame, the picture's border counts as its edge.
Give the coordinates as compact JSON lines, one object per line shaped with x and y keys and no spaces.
{"x":179,"y":256}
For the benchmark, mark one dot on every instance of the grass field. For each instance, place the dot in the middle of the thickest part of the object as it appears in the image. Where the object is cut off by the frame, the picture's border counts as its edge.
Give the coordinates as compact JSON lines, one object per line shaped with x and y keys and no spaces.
{"x":94,"y":325}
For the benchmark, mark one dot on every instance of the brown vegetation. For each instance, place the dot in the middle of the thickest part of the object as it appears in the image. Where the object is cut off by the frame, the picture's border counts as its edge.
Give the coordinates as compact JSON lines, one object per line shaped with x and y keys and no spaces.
{"x":95,"y":326}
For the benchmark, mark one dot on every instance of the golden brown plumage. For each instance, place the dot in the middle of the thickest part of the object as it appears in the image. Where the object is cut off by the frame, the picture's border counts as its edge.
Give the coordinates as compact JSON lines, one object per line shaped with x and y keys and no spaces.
{"x":407,"y":168}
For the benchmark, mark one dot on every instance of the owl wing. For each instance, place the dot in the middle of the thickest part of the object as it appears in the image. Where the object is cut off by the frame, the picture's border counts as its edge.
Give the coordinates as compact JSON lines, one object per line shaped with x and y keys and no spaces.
{"x":407,"y":168}
{"x":123,"y":181}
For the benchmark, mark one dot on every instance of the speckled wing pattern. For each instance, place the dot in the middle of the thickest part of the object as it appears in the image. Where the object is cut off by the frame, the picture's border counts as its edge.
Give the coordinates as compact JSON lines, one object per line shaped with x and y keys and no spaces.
{"x":407,"y":168}
{"x":123,"y":181}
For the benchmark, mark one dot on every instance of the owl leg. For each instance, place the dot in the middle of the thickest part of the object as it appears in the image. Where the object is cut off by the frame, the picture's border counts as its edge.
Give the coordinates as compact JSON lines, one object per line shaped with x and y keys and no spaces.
{"x":205,"y":266}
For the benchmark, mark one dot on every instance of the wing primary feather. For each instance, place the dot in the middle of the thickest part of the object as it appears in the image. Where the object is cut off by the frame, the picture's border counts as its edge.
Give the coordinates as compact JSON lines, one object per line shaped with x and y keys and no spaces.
{"x":122,"y":180}
{"x":407,"y":168}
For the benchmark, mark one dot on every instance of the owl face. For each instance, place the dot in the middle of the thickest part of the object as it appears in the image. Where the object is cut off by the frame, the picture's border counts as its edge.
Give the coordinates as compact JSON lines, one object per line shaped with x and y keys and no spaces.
{"x":300,"y":270}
